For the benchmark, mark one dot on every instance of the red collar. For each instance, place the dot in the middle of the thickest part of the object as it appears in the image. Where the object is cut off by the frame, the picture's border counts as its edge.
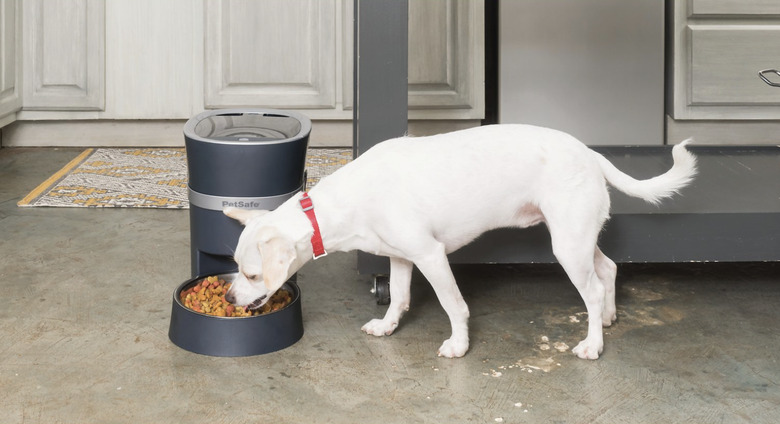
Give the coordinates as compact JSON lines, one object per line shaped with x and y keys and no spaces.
{"x":316,"y":239}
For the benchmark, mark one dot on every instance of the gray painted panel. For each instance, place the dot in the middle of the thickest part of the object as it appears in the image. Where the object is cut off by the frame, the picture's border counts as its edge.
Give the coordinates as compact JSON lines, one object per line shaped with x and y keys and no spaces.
{"x":381,"y":63}
{"x":380,"y":83}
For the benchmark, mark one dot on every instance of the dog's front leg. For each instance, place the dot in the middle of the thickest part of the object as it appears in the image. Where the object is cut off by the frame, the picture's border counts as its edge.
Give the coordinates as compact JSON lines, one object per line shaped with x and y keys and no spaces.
{"x":400,"y":281}
{"x":436,"y":268}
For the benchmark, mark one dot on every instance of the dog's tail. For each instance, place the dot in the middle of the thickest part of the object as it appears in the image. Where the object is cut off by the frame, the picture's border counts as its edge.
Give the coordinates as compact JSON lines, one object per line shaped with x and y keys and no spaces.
{"x":655,"y":189}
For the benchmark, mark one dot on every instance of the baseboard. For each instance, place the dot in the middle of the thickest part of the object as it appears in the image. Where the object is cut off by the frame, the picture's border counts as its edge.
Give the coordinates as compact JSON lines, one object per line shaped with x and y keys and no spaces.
{"x":168,"y":133}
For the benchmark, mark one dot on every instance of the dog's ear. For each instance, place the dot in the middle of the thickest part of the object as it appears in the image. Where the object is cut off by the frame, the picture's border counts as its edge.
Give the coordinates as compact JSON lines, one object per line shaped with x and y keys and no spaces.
{"x":278,"y":254}
{"x":243,"y":215}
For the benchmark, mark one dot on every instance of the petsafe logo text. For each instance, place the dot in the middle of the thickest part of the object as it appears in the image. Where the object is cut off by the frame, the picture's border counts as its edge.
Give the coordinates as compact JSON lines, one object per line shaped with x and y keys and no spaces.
{"x":243,"y":204}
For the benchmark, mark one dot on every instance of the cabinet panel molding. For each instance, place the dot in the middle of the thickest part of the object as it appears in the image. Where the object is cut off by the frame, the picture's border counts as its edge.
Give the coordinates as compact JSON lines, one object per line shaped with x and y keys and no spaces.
{"x":735,"y":7}
{"x":725,"y":61}
{"x":65,"y":54}
{"x":286,"y":62}
{"x":714,"y":60}
{"x":10,"y":57}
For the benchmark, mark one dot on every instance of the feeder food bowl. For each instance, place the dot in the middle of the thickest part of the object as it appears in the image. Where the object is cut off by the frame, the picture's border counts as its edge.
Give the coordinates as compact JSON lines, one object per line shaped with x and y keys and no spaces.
{"x":235,"y":336}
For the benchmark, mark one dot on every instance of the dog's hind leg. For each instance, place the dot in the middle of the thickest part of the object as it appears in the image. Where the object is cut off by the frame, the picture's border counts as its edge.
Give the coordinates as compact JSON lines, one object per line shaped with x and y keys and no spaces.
{"x":400,"y":281}
{"x":575,"y":250}
{"x":607,"y":271}
{"x":436,"y":269}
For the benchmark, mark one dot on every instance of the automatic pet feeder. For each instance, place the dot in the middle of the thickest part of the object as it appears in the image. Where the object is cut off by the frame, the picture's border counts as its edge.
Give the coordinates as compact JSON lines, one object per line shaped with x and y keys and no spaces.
{"x":251,"y":159}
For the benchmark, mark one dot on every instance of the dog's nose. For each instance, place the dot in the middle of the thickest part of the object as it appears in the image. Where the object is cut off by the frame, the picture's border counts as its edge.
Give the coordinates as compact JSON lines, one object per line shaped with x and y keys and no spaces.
{"x":230,"y":297}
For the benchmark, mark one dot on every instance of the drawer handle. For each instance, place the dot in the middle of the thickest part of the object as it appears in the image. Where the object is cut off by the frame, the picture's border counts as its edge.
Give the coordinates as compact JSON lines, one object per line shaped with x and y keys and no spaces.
{"x":767,"y":80}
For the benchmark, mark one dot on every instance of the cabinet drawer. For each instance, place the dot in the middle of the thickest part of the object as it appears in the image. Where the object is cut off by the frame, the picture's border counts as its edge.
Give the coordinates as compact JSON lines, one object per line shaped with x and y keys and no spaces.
{"x":735,"y":7}
{"x":725,"y":61}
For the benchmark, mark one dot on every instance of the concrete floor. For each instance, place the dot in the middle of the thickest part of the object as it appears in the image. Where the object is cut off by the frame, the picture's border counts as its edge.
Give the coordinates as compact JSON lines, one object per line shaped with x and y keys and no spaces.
{"x":86,"y":304}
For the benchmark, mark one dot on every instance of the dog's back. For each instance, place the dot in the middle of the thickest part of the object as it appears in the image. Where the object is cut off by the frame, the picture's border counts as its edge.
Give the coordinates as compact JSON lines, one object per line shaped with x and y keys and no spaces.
{"x":464,"y":183}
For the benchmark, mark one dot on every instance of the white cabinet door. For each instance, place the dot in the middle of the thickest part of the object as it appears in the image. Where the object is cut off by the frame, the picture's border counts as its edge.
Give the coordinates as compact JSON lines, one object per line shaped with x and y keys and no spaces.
{"x":298,"y":54}
{"x":725,"y":61}
{"x":446,"y":59}
{"x":10,"y":54}
{"x":154,"y":59}
{"x":129,"y":62}
{"x":718,"y":49}
{"x":64,"y":44}
{"x":273,"y":53}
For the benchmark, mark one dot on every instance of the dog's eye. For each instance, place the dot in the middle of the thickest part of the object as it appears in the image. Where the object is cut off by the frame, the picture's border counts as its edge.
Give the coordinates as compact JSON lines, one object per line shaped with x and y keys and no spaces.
{"x":252,"y":277}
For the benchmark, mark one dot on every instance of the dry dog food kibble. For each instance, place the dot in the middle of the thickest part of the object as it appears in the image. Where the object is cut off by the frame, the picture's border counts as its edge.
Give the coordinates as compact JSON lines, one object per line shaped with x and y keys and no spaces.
{"x":208,"y":297}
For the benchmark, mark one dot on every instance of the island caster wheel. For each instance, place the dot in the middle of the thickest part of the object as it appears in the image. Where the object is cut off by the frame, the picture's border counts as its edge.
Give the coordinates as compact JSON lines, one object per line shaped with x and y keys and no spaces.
{"x":382,"y":289}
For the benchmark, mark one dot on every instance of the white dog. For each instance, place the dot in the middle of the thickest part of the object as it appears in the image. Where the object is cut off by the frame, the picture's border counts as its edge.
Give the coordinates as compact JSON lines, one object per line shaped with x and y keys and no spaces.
{"x":417,"y":199}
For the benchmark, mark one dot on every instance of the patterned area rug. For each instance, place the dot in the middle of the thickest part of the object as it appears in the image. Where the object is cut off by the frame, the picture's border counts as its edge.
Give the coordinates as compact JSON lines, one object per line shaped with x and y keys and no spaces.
{"x":143,"y":178}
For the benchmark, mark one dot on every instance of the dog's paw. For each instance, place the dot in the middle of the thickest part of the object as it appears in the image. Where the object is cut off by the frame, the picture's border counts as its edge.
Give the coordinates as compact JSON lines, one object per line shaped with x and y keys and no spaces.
{"x":453,"y":348}
{"x":379,"y":327}
{"x":585,"y":350}
{"x":608,"y":319}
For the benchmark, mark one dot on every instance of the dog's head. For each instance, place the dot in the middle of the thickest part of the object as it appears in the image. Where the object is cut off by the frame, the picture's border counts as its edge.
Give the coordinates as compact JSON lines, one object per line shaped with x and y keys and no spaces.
{"x":269,"y":251}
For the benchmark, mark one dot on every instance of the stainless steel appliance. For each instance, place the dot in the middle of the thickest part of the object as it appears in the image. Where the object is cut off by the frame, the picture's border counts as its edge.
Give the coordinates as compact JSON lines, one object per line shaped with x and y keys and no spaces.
{"x":592,"y":68}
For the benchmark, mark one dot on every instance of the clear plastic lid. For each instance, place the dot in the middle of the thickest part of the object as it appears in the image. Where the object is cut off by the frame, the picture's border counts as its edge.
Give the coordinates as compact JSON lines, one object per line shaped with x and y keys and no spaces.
{"x":248,"y":127}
